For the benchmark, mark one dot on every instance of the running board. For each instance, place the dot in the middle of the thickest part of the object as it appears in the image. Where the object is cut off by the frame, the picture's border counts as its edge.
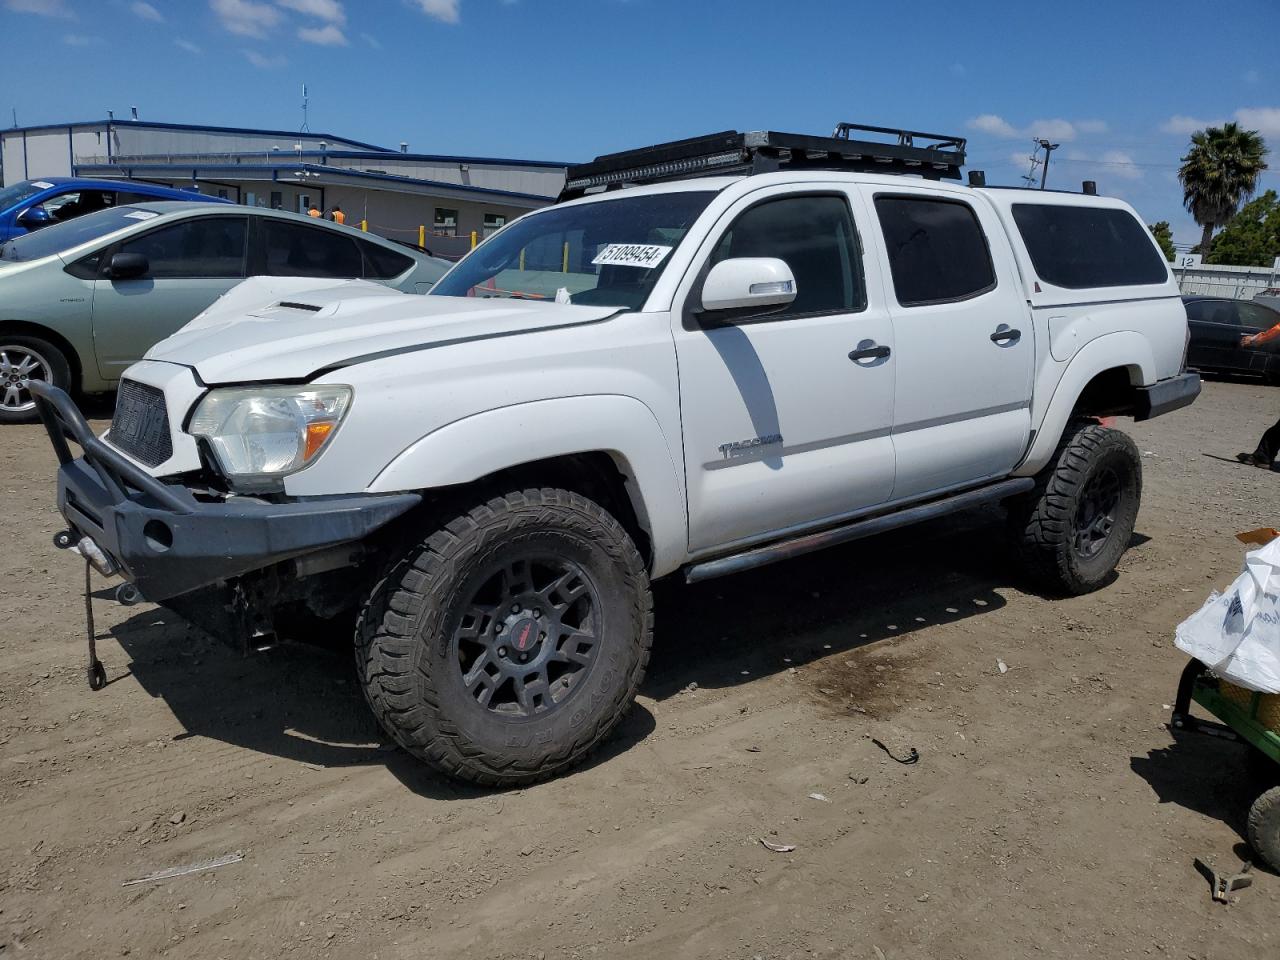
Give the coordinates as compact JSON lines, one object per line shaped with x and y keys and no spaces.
{"x":855,"y":530}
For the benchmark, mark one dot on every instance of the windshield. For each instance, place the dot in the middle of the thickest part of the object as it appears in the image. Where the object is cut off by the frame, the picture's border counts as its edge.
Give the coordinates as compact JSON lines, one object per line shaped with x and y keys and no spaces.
{"x":11,"y":196}
{"x":608,"y":253}
{"x":71,"y":233}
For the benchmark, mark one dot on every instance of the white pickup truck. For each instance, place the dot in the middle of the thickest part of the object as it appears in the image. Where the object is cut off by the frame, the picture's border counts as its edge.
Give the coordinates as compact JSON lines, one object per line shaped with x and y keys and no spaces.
{"x":692,"y":376}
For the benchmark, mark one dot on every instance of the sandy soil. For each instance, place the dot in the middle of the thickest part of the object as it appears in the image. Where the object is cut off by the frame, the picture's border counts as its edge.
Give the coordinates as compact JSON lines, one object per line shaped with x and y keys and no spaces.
{"x":1051,"y":813}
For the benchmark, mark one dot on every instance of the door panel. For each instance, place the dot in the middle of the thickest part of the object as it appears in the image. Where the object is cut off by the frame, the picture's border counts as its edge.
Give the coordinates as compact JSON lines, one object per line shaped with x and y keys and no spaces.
{"x":193,"y":262}
{"x":1215,"y":335}
{"x":964,"y":344}
{"x":781,"y":427}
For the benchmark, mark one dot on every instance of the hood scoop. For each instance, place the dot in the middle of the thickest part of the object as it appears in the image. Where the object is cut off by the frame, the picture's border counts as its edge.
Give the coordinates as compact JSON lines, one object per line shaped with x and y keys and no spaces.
{"x":295,"y":305}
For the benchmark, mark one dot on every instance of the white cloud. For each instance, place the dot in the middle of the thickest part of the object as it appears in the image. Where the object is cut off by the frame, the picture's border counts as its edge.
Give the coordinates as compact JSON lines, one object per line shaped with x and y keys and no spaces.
{"x":329,"y":11}
{"x":445,"y":10}
{"x":1182,"y":124}
{"x":1120,"y":164}
{"x":326,"y":36}
{"x":263,"y":62}
{"x":1266,"y":120}
{"x":371,"y":40}
{"x":42,"y":8}
{"x":80,"y":40}
{"x":188,"y":46}
{"x":1055,"y":129}
{"x":245,"y":17}
{"x":146,"y":11}
{"x":994,"y":125}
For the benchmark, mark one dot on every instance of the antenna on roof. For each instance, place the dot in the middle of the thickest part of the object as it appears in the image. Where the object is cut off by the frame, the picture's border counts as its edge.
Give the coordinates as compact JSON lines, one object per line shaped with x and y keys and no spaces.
{"x":305,"y":127}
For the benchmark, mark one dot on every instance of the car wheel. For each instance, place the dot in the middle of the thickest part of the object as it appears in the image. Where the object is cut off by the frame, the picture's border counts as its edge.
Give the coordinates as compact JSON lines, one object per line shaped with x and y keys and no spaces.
{"x":23,"y":359}
{"x":505,"y":646}
{"x":1075,"y":525}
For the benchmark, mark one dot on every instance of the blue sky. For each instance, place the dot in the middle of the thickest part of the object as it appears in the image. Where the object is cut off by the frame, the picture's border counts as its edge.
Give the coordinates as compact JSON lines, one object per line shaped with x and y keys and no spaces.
{"x":1119,"y":84}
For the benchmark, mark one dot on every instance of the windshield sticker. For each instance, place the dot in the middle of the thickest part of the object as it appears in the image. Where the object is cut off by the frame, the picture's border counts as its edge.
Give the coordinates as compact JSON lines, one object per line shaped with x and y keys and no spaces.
{"x":141,"y":215}
{"x":646,"y":255}
{"x":42,"y":184}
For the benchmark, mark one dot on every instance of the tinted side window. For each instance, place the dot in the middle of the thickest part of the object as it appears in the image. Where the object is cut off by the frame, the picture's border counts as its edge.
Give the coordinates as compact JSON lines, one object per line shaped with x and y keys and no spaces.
{"x":937,"y":250}
{"x":1078,"y":247}
{"x":1255,"y":315}
{"x":815,"y":237}
{"x":210,"y":247}
{"x":1212,"y":311}
{"x":383,"y":264}
{"x":294,"y":250}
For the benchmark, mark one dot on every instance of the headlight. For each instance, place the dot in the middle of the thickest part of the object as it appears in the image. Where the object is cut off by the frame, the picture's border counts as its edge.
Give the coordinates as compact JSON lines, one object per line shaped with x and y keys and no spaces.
{"x":260,"y":434}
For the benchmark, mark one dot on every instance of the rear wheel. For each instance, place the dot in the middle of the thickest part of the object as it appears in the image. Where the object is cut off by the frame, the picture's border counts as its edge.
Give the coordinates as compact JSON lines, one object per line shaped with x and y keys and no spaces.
{"x":1075,"y":525}
{"x":506,"y":646}
{"x":23,"y":359}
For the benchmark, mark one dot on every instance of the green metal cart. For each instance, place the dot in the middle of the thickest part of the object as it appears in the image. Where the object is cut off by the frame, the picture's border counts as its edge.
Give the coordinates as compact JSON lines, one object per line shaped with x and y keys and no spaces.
{"x":1253,"y":718}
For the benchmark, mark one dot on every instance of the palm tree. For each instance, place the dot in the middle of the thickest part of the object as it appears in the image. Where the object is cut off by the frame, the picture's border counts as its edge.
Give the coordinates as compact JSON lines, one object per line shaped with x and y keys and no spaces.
{"x":1219,"y":171}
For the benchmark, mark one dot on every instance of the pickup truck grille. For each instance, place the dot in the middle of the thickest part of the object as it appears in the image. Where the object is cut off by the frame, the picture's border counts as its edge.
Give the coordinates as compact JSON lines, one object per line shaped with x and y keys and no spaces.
{"x":140,"y":426}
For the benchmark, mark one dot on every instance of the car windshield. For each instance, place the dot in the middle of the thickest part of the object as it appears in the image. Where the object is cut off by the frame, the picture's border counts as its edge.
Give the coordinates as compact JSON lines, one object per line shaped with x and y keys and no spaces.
{"x":15,"y":194}
{"x":71,"y":233}
{"x":607,"y":253}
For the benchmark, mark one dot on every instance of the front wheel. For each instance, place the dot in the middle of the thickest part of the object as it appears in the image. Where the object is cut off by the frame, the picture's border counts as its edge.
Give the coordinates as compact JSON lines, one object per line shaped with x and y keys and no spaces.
{"x":1072,"y":529}
{"x":505,"y":646}
{"x":23,"y":359}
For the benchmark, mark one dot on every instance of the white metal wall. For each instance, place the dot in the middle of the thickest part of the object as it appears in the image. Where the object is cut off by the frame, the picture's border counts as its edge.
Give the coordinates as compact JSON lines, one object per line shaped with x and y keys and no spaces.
{"x":536,"y":180}
{"x":1221,"y":280}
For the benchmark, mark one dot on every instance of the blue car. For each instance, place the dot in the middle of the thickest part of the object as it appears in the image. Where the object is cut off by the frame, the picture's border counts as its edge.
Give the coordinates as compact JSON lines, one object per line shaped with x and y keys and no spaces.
{"x":32,"y":204}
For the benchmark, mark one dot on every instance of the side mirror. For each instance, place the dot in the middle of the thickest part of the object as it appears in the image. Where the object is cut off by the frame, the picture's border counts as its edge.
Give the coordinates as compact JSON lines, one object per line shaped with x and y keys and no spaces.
{"x":748,"y":283}
{"x":34,"y":218}
{"x":127,"y":266}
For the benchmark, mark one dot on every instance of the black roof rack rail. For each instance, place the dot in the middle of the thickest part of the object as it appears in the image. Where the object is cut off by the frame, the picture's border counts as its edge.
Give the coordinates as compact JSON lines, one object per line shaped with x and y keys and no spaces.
{"x":732,"y":153}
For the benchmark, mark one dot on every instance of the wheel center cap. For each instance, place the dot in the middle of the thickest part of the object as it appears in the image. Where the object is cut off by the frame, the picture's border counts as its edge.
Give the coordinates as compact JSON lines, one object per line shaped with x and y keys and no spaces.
{"x":523,"y":634}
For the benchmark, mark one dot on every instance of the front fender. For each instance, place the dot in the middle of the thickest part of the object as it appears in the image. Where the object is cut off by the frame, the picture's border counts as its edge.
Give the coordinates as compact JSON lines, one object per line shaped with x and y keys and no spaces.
{"x":1125,"y":349}
{"x":623,"y":427}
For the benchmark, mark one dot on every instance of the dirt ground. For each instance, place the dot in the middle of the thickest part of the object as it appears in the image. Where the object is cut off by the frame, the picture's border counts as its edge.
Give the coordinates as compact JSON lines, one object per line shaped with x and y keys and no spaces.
{"x":1050,"y":814}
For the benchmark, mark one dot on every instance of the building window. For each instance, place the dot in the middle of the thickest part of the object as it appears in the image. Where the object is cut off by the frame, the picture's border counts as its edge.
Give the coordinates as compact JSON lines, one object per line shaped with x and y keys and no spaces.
{"x":493,"y":222}
{"x":277,"y":200}
{"x":445,"y":222}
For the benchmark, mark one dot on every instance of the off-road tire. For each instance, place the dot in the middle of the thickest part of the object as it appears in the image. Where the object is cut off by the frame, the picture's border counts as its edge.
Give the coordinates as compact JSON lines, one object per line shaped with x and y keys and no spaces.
{"x":1044,"y":521}
{"x":1263,"y":827}
{"x":407,"y":657}
{"x":58,"y":368}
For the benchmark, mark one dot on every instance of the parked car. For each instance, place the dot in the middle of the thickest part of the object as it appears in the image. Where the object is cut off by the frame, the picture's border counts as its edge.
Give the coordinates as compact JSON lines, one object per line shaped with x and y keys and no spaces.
{"x":35,"y":204}
{"x":82,"y":300}
{"x":1217,"y":324}
{"x":701,"y":376}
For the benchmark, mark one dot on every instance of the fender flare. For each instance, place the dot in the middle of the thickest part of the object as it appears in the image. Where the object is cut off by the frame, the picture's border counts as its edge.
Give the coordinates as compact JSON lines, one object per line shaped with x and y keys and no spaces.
{"x":466,"y":450}
{"x":1125,"y":349}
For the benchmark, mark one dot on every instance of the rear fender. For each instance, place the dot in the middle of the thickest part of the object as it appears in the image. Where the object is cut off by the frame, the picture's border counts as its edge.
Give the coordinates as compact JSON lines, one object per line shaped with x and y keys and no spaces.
{"x":1126,"y":349}
{"x":477,"y":446}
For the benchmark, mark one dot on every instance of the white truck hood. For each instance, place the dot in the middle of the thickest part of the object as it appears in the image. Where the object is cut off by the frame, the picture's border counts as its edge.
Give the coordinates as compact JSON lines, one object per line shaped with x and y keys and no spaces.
{"x":274,"y":328}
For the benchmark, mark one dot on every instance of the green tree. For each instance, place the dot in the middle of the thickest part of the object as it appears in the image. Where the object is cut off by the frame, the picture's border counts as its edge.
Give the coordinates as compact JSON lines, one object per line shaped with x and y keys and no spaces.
{"x":1164,"y":236}
{"x":1218,"y":173}
{"x":1252,"y":236}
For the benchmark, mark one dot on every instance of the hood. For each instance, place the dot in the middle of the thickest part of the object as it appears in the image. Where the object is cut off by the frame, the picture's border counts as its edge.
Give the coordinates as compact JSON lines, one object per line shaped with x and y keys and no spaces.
{"x":275,"y":328}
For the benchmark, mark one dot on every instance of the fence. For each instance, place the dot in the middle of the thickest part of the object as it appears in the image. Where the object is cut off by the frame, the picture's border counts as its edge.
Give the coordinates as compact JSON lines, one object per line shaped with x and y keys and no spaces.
{"x":447,"y":246}
{"x":1222,"y":280}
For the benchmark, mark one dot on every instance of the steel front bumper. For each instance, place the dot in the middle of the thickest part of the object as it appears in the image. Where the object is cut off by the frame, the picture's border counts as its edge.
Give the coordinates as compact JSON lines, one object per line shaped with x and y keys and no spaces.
{"x":168,"y":542}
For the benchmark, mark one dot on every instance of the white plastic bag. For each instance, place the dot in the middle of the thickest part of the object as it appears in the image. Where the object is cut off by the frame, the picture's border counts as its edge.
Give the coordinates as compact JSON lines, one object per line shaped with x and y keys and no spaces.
{"x":1236,"y":634}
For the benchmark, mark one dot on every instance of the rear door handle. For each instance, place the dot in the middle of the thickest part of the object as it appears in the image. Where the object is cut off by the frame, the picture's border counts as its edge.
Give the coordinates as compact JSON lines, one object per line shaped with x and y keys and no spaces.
{"x":1005,"y":334}
{"x":869,"y":350}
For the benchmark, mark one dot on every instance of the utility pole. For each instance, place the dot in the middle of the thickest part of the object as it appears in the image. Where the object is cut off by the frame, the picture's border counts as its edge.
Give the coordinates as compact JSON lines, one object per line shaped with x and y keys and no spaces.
{"x":306,"y":128}
{"x":1048,"y":148}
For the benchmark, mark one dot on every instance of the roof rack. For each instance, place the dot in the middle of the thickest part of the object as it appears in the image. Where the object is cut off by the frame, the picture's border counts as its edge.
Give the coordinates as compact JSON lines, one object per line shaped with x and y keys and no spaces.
{"x":733,"y":153}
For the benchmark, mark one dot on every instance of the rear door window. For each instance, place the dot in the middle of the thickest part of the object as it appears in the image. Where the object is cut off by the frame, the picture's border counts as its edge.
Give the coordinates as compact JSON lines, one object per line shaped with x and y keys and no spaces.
{"x":295,"y":250}
{"x":381,"y":263}
{"x":937,"y":250}
{"x":1257,"y":316}
{"x":1081,"y":247}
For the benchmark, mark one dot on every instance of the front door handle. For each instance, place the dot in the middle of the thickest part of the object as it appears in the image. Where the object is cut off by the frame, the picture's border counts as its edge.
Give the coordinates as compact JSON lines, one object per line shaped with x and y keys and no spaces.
{"x":1005,"y":334}
{"x":869,"y":350}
